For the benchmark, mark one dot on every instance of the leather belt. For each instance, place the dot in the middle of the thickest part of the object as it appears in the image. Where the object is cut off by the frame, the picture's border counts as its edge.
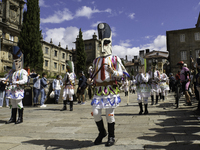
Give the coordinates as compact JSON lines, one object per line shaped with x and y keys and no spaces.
{"x":106,"y":83}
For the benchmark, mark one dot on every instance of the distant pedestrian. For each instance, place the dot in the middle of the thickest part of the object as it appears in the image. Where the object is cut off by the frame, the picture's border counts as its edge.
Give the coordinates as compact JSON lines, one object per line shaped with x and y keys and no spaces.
{"x":69,"y":83}
{"x":81,"y":87}
{"x":43,"y":84}
{"x":56,"y":85}
{"x":36,"y":89}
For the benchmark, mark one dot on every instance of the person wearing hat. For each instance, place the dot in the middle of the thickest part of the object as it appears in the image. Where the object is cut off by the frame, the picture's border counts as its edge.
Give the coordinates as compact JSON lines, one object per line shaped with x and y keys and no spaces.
{"x":154,"y":82}
{"x":56,"y":85}
{"x":185,"y":80}
{"x":69,"y":83}
{"x":81,"y":87}
{"x":17,"y":78}
{"x":143,"y":89}
{"x":108,"y":69}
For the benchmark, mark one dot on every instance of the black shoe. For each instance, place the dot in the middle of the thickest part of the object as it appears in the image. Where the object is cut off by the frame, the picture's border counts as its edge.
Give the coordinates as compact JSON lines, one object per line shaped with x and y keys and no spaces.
{"x":13,"y":116}
{"x":64,"y":106}
{"x":111,"y":134}
{"x":146,"y":111}
{"x":71,"y":105}
{"x":20,"y":118}
{"x":141,"y":109}
{"x":102,"y":132}
{"x":110,"y":142}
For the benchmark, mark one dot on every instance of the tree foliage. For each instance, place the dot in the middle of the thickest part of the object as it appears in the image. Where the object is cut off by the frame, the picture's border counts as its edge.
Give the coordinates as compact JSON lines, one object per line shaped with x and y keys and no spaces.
{"x":30,"y":36}
{"x":80,"y":53}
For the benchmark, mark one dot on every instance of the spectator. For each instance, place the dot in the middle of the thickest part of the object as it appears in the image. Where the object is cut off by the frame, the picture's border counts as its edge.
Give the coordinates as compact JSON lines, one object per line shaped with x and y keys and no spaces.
{"x":2,"y":93}
{"x":171,"y":82}
{"x":81,"y":87}
{"x":36,"y":89}
{"x":56,"y":85}
{"x":43,"y":84}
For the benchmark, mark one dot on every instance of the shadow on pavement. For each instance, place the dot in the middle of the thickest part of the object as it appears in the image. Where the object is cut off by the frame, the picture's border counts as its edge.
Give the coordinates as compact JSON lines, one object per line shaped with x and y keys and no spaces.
{"x":63,"y":144}
{"x":180,"y":129}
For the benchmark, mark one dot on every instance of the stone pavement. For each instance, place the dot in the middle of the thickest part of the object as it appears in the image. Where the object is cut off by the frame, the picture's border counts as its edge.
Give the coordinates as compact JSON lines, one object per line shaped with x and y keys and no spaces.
{"x":48,"y":128}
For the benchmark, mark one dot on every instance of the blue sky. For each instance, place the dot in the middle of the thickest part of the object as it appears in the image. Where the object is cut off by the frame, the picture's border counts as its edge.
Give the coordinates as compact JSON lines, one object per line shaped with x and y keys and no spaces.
{"x":136,"y":24}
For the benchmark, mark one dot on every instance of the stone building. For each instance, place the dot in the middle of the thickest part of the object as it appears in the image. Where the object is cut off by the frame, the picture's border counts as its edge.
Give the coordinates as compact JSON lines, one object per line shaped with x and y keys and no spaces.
{"x":182,"y":45}
{"x":11,"y":13}
{"x":91,"y":49}
{"x":55,"y":58}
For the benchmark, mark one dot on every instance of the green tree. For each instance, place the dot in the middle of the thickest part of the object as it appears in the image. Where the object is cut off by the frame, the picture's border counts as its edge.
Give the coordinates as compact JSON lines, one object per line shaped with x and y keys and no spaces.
{"x":80,"y":53}
{"x":30,"y":36}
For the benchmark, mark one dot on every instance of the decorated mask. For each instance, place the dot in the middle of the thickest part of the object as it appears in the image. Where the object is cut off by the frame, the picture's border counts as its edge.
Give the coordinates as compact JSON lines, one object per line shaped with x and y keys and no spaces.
{"x":105,"y":39}
{"x":17,"y":58}
{"x":69,"y":66}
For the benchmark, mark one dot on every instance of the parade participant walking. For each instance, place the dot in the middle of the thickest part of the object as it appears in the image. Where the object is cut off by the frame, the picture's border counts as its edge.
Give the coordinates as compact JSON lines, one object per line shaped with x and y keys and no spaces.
{"x":154,"y":81}
{"x":36,"y":89}
{"x":107,"y":69}
{"x":125,"y":85}
{"x":163,"y":84}
{"x":56,"y":85}
{"x":81,"y":88}
{"x":69,"y":82}
{"x":143,"y":89}
{"x":17,"y":77}
{"x":43,"y":84}
{"x":185,"y":80}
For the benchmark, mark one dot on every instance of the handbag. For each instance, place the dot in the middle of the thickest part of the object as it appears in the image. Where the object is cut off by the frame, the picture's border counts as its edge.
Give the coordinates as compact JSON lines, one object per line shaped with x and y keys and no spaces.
{"x":52,"y":94}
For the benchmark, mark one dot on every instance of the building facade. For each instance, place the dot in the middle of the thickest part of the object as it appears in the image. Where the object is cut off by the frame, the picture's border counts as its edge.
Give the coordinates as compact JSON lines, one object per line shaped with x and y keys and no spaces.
{"x":11,"y":13}
{"x":55,"y":58}
{"x":182,"y":45}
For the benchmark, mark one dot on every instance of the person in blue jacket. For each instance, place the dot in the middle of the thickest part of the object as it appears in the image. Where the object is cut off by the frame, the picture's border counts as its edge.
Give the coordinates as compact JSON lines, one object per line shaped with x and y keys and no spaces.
{"x":43,"y":84}
{"x":56,"y":85}
{"x":81,"y":87}
{"x":36,"y":89}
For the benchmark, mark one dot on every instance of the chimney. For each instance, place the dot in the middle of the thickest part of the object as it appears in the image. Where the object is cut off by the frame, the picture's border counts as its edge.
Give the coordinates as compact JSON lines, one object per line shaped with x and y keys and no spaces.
{"x":141,"y":53}
{"x":66,"y":47}
{"x":126,"y":57}
{"x":51,"y":41}
{"x":135,"y":57}
{"x":59,"y":44}
{"x":147,"y":51}
{"x":132,"y":60}
{"x":94,"y":36}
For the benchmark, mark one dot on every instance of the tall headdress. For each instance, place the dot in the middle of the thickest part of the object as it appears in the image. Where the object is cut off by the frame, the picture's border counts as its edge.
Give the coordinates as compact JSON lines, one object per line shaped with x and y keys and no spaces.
{"x":69,"y":66}
{"x":105,"y":38}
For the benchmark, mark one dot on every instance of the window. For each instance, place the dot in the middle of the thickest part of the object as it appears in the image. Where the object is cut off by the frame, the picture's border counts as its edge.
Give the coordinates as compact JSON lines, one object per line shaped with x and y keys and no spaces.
{"x":90,"y":46}
{"x":46,"y":50}
{"x":86,"y":47}
{"x":197,"y":36}
{"x":70,"y":57}
{"x":63,"y":67}
{"x":11,"y":38}
{"x":182,"y":38}
{"x":55,"y":65}
{"x":183,"y":55}
{"x":46,"y":63}
{"x":55,"y":53}
{"x":197,"y":53}
{"x":63,"y":55}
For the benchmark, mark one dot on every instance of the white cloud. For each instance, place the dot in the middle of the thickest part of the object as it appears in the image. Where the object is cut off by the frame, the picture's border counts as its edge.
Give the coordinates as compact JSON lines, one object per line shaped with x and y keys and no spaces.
{"x":121,"y":50}
{"x":42,"y":4}
{"x":132,"y":15}
{"x":66,"y":36}
{"x":94,"y":25}
{"x":162,"y":23}
{"x":197,"y":6}
{"x":87,"y":12}
{"x":125,"y":43}
{"x":58,"y":17}
{"x":66,"y":15}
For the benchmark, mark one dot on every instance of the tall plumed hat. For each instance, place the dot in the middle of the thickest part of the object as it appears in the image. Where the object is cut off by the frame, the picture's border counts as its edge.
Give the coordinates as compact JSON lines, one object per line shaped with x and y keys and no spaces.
{"x":17,"y":53}
{"x":104,"y":31}
{"x":69,"y":66}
